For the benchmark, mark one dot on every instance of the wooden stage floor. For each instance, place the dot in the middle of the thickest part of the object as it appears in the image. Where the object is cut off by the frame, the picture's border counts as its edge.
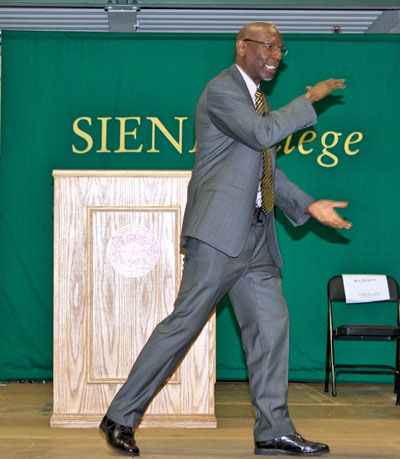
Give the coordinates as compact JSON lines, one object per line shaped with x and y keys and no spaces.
{"x":361,"y":422}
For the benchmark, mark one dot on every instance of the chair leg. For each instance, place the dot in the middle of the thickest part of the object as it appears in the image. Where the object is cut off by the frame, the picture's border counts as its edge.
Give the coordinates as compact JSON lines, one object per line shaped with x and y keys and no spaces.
{"x":328,"y":345}
{"x":397,"y":366}
{"x":397,"y":375}
{"x":333,"y":368}
{"x":397,"y":388}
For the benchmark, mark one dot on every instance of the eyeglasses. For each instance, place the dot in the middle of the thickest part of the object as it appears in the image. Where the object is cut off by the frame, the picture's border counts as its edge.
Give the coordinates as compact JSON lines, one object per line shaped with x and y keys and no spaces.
{"x":270,"y":46}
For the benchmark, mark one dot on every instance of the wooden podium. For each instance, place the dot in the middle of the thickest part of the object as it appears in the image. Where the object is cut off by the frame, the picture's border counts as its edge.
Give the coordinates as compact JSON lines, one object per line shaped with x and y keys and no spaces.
{"x":117,"y":270}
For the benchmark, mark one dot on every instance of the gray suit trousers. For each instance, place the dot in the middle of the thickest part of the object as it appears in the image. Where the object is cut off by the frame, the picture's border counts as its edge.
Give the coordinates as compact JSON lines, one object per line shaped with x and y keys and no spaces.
{"x":254,"y":285}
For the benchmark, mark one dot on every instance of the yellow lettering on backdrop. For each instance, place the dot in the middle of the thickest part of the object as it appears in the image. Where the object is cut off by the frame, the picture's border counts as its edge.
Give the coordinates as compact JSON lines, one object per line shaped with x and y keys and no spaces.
{"x":82,"y":134}
{"x":123,"y":133}
{"x":286,"y":148}
{"x":349,"y":141}
{"x":303,"y":139}
{"x":194,"y":149}
{"x":156,"y":122}
{"x":329,"y":140}
{"x":326,"y":152}
{"x":103,"y":148}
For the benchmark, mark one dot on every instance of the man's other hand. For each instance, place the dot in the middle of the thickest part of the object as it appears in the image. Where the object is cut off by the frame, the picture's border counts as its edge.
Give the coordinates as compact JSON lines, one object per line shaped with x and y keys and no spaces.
{"x":324,"y":211}
{"x":323,"y":88}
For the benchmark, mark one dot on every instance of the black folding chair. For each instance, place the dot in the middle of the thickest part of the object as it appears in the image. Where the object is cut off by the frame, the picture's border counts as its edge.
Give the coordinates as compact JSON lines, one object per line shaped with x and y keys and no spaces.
{"x":361,"y":332}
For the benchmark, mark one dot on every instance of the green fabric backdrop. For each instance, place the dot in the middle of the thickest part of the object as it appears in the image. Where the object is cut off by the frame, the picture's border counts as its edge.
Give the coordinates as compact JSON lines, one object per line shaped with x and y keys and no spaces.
{"x":50,"y":80}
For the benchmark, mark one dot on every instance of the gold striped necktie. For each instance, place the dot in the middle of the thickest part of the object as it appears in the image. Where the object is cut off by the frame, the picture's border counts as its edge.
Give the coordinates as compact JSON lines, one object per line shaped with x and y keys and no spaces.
{"x":267,"y":189}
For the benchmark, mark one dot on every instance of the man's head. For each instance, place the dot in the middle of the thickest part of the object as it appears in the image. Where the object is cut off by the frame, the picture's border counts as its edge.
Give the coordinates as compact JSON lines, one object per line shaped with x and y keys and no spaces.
{"x":258,"y":60}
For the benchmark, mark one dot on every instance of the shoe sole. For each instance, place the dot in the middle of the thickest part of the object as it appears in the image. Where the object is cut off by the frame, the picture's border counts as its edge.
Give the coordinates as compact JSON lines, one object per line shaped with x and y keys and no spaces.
{"x":276,"y":452}
{"x":118,"y":451}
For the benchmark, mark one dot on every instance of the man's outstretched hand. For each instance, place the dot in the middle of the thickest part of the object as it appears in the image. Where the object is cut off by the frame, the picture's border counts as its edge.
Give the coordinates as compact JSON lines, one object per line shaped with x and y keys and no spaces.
{"x":323,"y":88}
{"x":324,"y":211}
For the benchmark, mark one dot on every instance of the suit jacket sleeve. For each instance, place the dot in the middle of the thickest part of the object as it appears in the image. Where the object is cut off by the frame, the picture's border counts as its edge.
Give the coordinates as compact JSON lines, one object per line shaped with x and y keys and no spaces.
{"x":233,"y":114}
{"x":291,"y":199}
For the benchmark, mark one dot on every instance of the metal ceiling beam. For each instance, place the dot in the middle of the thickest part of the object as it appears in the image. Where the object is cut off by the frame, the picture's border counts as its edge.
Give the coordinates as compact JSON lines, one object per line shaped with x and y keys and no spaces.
{"x":230,"y":21}
{"x":272,"y":4}
{"x":230,"y":4}
{"x":387,"y":22}
{"x":129,"y":17}
{"x":57,"y":19}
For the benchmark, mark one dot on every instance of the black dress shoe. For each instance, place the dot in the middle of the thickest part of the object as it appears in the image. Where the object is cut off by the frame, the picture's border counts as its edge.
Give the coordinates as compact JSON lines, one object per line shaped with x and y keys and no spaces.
{"x":293,"y":444}
{"x":120,"y":438}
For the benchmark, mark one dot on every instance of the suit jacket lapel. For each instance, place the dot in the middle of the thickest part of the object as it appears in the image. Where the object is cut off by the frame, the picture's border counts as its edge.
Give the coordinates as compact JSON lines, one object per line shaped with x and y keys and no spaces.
{"x":236,"y":75}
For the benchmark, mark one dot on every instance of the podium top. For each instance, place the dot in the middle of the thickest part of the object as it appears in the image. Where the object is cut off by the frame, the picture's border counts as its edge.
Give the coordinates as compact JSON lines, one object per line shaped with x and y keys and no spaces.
{"x":121,"y":173}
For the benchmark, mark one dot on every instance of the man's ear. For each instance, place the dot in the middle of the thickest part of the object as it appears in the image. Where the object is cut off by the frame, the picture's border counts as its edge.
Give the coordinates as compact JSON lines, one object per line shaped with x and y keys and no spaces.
{"x":241,"y":48}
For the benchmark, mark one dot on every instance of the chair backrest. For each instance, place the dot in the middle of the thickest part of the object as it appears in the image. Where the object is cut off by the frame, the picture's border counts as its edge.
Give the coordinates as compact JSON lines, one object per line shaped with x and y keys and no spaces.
{"x":336,"y":294}
{"x":336,"y":289}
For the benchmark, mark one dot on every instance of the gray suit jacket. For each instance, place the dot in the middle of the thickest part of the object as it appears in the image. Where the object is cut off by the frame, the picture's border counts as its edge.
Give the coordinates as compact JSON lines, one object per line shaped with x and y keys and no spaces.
{"x":228,"y":165}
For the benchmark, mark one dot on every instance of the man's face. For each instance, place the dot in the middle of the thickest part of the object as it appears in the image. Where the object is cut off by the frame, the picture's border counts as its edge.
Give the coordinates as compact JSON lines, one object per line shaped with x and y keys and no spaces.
{"x":259,"y":62}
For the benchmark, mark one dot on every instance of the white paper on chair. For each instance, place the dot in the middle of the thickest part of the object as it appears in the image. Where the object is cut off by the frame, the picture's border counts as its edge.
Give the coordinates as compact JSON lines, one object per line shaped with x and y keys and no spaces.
{"x":365,"y":288}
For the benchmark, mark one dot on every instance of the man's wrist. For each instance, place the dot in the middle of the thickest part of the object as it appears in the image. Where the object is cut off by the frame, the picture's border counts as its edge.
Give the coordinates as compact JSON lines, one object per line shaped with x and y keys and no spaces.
{"x":310,"y":97}
{"x":307,"y":211}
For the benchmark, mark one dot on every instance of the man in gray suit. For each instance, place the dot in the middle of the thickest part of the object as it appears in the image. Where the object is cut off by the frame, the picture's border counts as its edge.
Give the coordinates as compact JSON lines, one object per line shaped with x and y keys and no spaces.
{"x":229,"y":237}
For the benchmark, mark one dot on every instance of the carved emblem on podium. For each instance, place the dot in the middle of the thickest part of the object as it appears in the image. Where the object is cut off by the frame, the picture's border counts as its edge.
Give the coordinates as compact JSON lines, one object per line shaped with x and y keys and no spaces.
{"x":133,"y":250}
